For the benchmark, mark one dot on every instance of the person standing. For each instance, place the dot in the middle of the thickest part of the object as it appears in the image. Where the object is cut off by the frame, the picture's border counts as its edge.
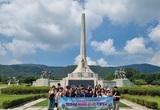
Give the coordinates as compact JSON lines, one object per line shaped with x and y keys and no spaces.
{"x":51,"y":101}
{"x":116,"y":96}
{"x":57,"y":96}
{"x":59,"y":86}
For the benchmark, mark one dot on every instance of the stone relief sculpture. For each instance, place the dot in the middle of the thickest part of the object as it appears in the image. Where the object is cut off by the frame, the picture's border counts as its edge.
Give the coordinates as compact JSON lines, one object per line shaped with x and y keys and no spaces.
{"x":124,"y":74}
{"x":45,"y":74}
{"x":116,"y":76}
{"x":119,"y":74}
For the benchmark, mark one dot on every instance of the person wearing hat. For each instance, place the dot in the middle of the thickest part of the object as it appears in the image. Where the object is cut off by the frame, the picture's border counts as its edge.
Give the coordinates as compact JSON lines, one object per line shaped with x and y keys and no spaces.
{"x":116,"y":96}
{"x":108,"y":92}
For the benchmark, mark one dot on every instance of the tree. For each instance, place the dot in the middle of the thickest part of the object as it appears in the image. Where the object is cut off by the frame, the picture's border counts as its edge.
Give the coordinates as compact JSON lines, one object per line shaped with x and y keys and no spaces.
{"x":156,"y":82}
{"x":150,"y":77}
{"x":130,"y":72}
{"x":109,"y":76}
{"x":20,"y":78}
{"x":29,"y":79}
{"x":140,"y":82}
{"x":5,"y":79}
{"x":0,"y":78}
{"x":157,"y":76}
{"x":139,"y":76}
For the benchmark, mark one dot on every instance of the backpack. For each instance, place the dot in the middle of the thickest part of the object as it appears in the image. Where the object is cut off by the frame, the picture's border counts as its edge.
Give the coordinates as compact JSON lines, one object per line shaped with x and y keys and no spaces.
{"x":51,"y":97}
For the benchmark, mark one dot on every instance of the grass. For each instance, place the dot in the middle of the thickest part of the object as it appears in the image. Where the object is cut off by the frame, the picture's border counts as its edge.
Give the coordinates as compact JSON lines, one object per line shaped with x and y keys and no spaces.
{"x":4,"y":97}
{"x":45,"y":103}
{"x":124,"y":105}
{"x":150,"y":98}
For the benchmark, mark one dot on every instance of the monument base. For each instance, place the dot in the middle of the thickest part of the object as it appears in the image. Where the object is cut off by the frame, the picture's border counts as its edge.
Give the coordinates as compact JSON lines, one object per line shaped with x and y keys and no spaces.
{"x":41,"y":82}
{"x":122,"y":82}
{"x":45,"y":82}
{"x":109,"y":84}
{"x":83,"y":81}
{"x":81,"y":78}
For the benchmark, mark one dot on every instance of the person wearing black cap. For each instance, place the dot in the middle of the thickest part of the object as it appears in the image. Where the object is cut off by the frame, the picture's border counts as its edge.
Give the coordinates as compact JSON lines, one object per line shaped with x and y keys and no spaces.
{"x":116,"y":96}
{"x":67,"y":94}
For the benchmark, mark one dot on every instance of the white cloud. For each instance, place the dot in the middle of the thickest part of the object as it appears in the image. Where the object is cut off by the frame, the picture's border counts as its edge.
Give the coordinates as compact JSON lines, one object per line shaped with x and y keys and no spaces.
{"x":53,"y":25}
{"x":155,"y":60}
{"x":89,"y":61}
{"x":20,"y":48}
{"x":77,"y":60}
{"x":155,"y":34}
{"x":105,"y":47}
{"x":2,"y":49}
{"x":14,"y":61}
{"x":137,"y":46}
{"x":91,"y":17}
{"x":124,"y":11}
{"x":40,"y":23}
{"x":102,"y":62}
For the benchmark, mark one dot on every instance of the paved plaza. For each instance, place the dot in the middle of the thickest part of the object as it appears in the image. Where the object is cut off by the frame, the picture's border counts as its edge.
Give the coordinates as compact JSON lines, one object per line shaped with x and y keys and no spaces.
{"x":29,"y":106}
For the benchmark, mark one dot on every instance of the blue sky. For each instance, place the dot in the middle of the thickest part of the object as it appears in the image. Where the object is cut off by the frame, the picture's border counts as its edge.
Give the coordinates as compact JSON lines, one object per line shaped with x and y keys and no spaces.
{"x":118,"y":32}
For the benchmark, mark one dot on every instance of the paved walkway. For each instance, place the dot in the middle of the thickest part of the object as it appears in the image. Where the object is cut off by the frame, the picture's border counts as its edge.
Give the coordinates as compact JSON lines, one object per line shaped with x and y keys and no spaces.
{"x":29,"y":106}
{"x":133,"y":105}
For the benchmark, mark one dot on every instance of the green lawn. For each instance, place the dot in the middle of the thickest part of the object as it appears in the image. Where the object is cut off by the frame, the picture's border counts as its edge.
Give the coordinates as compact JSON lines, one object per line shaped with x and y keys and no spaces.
{"x":45,"y":103}
{"x":124,"y":105}
{"x":156,"y":99}
{"x":4,"y":97}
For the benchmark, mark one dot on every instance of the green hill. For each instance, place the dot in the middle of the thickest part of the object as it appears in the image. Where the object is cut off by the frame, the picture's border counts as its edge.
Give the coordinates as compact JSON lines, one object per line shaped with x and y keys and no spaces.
{"x":60,"y":72}
{"x":147,"y":68}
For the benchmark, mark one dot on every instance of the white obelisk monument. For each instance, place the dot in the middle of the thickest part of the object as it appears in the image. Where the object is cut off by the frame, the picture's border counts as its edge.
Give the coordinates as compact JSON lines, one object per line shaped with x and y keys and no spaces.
{"x":83,"y":66}
{"x":82,"y":74}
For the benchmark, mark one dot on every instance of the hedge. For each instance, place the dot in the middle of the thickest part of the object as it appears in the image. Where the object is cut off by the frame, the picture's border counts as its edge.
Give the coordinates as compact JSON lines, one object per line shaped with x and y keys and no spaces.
{"x":143,"y":102}
{"x":151,"y":91}
{"x":24,"y":90}
{"x":11,"y":103}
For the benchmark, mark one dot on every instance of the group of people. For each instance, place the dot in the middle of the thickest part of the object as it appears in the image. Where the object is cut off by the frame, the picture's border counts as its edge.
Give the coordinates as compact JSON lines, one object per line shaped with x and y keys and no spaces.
{"x":81,"y":91}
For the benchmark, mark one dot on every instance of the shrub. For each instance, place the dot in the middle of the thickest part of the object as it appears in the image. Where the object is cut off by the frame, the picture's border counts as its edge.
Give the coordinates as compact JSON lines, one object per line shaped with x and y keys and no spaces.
{"x":156,"y":82}
{"x":148,"y":104}
{"x":11,"y":103}
{"x":152,"y":91}
{"x":153,"y":105}
{"x":24,"y":90}
{"x":140,"y":82}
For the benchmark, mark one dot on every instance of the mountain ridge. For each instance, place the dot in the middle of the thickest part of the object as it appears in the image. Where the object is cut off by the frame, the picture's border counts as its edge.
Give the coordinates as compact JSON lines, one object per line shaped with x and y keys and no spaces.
{"x":60,"y":71}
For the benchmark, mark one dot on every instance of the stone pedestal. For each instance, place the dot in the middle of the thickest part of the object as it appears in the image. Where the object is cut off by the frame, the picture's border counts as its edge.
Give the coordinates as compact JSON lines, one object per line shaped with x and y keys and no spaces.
{"x":41,"y":82}
{"x":81,"y":78}
{"x":109,"y":84}
{"x":123,"y":82}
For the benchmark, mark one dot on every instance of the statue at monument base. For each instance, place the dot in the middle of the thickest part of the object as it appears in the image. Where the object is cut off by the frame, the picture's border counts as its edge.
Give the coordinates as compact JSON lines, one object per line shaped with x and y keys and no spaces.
{"x":120,"y":78}
{"x":44,"y":80}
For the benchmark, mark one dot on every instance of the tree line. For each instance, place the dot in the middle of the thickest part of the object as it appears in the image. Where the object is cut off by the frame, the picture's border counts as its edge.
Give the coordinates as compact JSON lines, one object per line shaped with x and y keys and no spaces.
{"x":21,"y":79}
{"x":139,"y":78}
